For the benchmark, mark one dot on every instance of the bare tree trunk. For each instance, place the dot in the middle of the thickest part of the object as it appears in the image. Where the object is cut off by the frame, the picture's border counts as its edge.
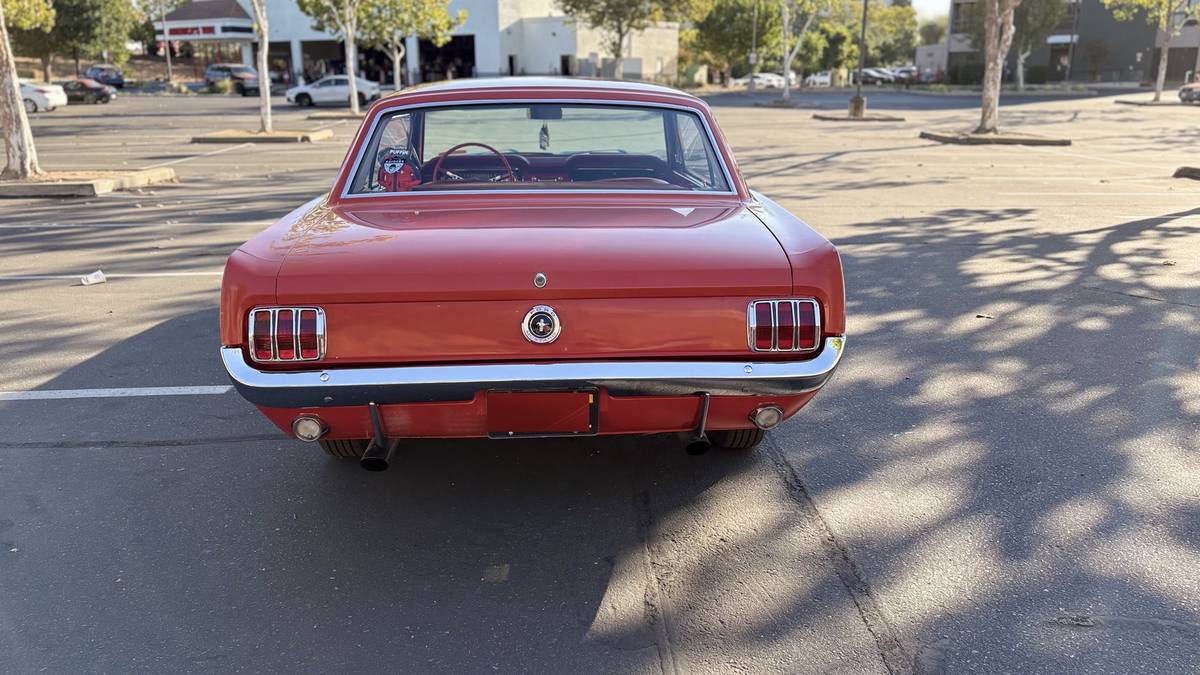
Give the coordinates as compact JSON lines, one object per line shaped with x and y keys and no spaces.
{"x":348,"y":33}
{"x":47,"y":67}
{"x":20,"y":157}
{"x":1021,"y":56}
{"x":1161,"y":80}
{"x":397,"y":53}
{"x":998,"y":34}
{"x":618,"y":51}
{"x":166,"y":43}
{"x":264,"y":74}
{"x":785,"y":17}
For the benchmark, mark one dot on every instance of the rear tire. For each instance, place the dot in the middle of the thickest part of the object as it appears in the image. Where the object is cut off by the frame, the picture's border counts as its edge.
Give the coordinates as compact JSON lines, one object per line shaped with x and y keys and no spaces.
{"x":304,"y":100}
{"x":362,"y":100}
{"x":348,"y":448}
{"x":738,"y":439}
{"x":30,"y":106}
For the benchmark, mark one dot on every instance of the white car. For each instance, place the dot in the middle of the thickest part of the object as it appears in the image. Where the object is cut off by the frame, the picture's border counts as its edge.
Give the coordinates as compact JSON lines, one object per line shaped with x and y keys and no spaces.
{"x":332,"y":89}
{"x":42,"y":97}
{"x":821,"y":79}
{"x":761,"y":81}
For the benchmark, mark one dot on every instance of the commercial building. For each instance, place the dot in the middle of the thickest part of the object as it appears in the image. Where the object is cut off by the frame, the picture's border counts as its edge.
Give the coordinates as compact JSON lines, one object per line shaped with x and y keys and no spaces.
{"x":499,"y":37}
{"x":1088,"y":45}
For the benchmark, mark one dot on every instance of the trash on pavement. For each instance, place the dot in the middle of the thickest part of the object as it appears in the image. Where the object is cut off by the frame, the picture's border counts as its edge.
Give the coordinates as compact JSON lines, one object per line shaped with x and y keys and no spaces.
{"x":96,"y":277}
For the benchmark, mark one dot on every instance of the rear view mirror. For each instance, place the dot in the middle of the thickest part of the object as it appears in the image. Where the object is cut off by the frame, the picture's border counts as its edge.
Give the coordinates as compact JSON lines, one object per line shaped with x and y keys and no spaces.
{"x":545,"y":112}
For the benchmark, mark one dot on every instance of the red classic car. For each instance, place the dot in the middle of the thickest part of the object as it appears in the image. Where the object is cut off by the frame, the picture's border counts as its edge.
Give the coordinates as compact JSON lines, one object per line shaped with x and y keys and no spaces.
{"x":533,"y":257}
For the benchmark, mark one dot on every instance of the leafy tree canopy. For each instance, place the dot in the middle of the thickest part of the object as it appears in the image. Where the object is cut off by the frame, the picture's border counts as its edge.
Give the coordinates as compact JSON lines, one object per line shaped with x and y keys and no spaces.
{"x":28,"y":14}
{"x":617,"y":19}
{"x":1033,"y":21}
{"x":82,"y":28}
{"x":932,"y":31}
{"x":385,"y":20}
{"x":723,"y":38}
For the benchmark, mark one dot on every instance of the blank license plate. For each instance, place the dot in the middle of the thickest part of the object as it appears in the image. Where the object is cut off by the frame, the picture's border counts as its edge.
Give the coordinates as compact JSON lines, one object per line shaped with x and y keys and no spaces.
{"x":511,"y":414}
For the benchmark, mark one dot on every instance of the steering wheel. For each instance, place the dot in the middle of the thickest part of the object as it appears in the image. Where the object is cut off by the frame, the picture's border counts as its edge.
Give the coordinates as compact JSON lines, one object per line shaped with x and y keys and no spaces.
{"x":508,"y":172}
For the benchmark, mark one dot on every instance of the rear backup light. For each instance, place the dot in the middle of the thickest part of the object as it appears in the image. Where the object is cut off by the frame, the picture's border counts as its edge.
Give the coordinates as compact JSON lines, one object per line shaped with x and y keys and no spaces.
{"x":280,"y":334}
{"x":784,"y":325}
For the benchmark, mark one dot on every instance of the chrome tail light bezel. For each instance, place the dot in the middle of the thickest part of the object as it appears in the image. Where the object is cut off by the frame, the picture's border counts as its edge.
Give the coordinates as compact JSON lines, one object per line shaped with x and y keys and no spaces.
{"x":297,"y":314}
{"x":794,"y":303}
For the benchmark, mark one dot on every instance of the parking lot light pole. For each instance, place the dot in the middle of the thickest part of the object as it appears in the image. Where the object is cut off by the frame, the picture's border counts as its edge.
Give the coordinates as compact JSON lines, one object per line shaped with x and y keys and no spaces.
{"x":858,"y":104}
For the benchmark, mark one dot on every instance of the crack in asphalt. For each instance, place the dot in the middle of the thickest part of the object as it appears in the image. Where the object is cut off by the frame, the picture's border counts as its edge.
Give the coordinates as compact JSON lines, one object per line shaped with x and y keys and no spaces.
{"x":895,"y":658}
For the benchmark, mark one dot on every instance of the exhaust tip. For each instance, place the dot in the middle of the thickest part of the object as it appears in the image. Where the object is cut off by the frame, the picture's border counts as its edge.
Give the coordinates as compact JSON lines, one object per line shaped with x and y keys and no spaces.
{"x":373,"y":463}
{"x":698,"y":446}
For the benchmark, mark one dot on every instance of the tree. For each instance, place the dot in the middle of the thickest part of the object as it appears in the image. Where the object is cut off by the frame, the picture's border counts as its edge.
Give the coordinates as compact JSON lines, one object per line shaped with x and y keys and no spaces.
{"x":1033,"y":22}
{"x":20,"y":157}
{"x":259,"y":8}
{"x":386,"y":23}
{"x":618,"y":19}
{"x":1168,"y":16}
{"x":725,"y":34}
{"x":932,"y":31}
{"x":997,"y":40}
{"x":797,"y":17}
{"x":342,"y":18}
{"x":1096,"y":50}
{"x":82,"y":28}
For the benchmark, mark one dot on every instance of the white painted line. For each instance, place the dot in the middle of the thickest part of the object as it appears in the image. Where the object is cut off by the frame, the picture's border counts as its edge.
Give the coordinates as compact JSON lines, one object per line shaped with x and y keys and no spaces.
{"x":53,"y":394}
{"x":60,"y":226}
{"x":1177,"y":193}
{"x":1077,"y":155}
{"x":110,"y":275}
{"x":203,"y":154}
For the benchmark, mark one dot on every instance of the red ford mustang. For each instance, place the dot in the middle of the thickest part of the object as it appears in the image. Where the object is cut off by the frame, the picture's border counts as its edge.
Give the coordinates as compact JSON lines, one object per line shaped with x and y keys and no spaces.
{"x":528,"y":257}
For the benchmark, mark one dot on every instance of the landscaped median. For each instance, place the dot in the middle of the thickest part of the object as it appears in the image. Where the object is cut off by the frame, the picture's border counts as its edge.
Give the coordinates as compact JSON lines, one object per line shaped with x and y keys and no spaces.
{"x":243,"y":136}
{"x":83,"y":183}
{"x":1006,"y":138}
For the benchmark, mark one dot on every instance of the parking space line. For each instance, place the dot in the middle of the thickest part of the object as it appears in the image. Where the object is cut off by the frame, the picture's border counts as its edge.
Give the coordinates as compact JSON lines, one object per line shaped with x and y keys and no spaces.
{"x":191,"y":157}
{"x":119,"y":392}
{"x":108,"y":275}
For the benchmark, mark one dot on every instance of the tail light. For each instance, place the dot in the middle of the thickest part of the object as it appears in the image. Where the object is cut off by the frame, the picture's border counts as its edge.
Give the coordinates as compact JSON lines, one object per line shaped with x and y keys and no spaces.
{"x":279,"y":334}
{"x":784,"y":325}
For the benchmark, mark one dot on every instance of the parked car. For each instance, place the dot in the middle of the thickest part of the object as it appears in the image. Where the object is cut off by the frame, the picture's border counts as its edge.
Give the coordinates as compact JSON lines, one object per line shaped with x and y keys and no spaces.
{"x":905,"y":74}
{"x":1190,"y":93}
{"x":535,"y":257}
{"x":250,"y":85}
{"x":237,"y":72}
{"x":872,"y":76}
{"x":821,"y":79}
{"x":106,"y":73}
{"x":332,"y":89}
{"x":39,"y":97}
{"x":761,"y":81}
{"x":87,"y":90}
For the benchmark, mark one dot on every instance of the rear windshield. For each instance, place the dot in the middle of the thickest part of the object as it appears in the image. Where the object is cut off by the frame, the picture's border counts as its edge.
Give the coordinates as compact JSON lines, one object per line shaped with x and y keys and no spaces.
{"x":540,"y":146}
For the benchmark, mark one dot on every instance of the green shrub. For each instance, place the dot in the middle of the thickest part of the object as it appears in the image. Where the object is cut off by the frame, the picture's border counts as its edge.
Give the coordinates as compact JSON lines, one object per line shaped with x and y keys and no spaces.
{"x":938,"y":88}
{"x":224,"y":86}
{"x":1036,"y":74}
{"x":970,"y":72}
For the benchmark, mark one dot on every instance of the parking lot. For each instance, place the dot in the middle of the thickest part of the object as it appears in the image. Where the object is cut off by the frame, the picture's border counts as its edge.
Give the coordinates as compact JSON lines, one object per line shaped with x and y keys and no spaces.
{"x":1004,"y":475}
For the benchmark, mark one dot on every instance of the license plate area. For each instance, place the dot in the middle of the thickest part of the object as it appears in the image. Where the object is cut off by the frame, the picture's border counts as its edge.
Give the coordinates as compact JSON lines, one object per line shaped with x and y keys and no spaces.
{"x":530,"y":414}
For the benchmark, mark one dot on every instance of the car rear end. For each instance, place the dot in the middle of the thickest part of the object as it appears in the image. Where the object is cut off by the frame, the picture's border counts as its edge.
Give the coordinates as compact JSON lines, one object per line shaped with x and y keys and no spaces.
{"x":513,"y":312}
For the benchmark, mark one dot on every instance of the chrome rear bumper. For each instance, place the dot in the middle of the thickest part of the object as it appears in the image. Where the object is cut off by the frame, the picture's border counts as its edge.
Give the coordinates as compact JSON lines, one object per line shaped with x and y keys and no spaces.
{"x":415,"y":384}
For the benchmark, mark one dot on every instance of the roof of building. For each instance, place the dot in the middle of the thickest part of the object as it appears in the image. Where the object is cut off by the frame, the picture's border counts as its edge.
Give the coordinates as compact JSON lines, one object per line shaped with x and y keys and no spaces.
{"x":580,"y":83}
{"x":200,"y":10}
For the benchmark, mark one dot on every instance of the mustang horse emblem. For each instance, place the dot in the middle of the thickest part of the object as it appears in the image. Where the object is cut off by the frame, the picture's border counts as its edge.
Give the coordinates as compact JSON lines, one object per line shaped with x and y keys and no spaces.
{"x":541,"y":325}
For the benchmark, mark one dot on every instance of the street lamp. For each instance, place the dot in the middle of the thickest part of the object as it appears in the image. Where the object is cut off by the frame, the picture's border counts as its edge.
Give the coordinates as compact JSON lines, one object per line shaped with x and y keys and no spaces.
{"x":858,"y":104}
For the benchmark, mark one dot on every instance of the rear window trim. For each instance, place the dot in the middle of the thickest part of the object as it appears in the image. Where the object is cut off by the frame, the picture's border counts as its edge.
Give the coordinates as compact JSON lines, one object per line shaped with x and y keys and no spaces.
{"x":352,"y":168}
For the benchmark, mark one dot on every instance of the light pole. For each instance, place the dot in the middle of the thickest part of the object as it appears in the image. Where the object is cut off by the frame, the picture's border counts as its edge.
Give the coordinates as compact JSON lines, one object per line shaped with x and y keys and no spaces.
{"x":858,"y":104}
{"x":754,"y":47}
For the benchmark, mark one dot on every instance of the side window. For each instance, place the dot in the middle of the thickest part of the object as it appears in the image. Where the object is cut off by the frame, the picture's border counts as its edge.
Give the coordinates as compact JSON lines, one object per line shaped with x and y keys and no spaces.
{"x":322,"y":84}
{"x":387,"y":156}
{"x":693,"y":143}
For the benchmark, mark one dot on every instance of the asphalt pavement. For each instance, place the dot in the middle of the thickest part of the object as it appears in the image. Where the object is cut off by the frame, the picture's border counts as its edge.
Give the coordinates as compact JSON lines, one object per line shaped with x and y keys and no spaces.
{"x":1004,"y":476}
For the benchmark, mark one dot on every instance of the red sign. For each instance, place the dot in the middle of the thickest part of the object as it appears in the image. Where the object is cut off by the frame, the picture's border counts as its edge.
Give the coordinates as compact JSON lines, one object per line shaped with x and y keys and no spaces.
{"x":193,"y":30}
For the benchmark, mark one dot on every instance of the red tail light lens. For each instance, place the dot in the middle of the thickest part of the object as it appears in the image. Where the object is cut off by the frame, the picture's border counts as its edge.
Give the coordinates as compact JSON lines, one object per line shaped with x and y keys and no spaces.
{"x":285,"y":334}
{"x":784,"y":325}
{"x":279,"y":334}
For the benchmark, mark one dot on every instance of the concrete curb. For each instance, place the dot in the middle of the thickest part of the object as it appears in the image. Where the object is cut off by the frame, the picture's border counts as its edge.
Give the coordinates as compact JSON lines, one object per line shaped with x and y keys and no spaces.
{"x":780,"y":105}
{"x":864,"y":118}
{"x":87,"y":187}
{"x":241,"y":136}
{"x":1148,"y":104}
{"x":1192,"y":172}
{"x":961,"y":138}
{"x":335,"y":116}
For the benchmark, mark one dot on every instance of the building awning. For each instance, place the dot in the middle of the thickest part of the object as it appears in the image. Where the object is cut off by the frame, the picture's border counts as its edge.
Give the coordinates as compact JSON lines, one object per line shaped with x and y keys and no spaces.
{"x":207,"y":21}
{"x":1062,"y":39}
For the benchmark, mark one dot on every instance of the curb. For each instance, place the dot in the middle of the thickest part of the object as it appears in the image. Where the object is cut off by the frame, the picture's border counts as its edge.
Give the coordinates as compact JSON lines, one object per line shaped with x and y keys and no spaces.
{"x":960,"y":138}
{"x":241,"y":136}
{"x":1149,"y":104}
{"x":335,"y":116}
{"x":82,"y":187}
{"x":864,"y":118}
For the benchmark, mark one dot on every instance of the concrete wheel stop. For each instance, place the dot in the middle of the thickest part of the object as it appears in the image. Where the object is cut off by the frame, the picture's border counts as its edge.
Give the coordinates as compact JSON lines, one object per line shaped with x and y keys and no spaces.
{"x":242,"y":136}
{"x":965,"y":138}
{"x":1192,"y":172}
{"x":84,"y":183}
